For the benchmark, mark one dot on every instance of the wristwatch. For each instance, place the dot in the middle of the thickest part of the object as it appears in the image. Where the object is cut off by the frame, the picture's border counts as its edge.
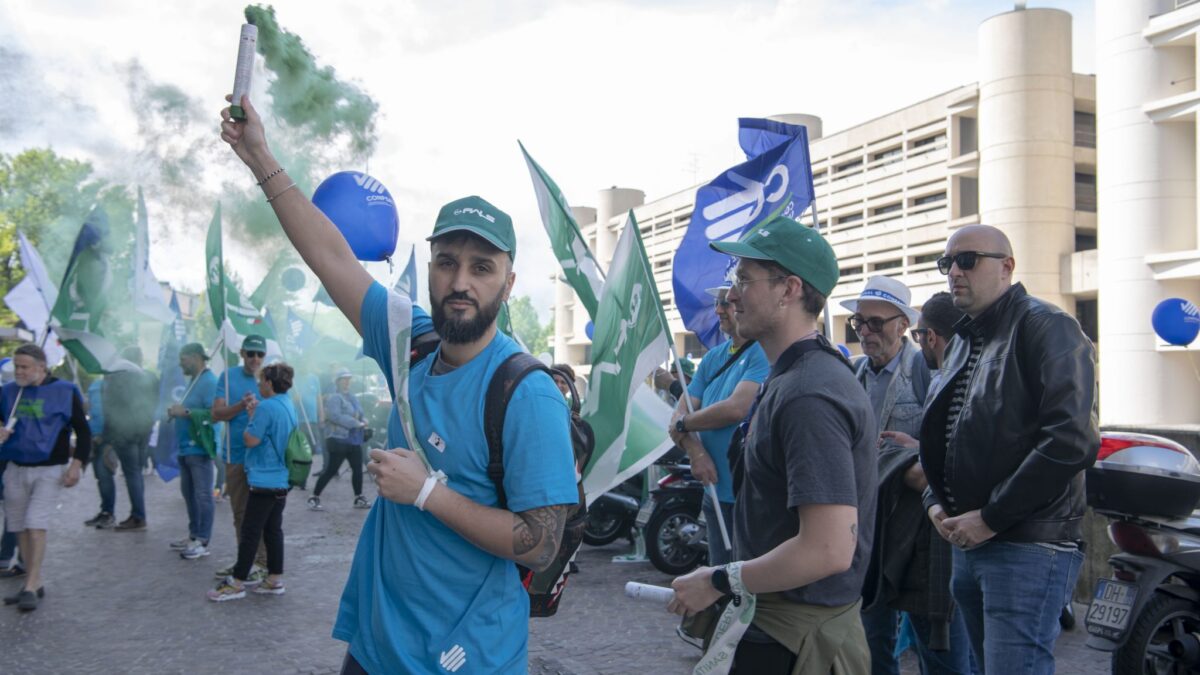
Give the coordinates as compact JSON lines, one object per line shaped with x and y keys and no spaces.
{"x":680,"y":426}
{"x":720,"y":581}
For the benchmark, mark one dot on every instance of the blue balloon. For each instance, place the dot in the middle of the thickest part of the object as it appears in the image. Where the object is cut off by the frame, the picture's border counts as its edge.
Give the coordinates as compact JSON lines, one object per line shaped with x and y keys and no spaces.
{"x":1176,"y":321}
{"x":844,"y":350}
{"x":589,"y":329}
{"x":363,"y":210}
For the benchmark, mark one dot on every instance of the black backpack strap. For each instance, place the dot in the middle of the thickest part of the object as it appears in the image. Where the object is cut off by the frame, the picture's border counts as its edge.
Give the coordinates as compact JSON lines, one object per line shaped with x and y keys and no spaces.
{"x":499,"y":392}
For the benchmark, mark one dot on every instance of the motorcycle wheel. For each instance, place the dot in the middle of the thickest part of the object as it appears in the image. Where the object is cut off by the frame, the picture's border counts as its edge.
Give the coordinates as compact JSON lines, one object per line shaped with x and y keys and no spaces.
{"x":1164,"y":618}
{"x":602,"y":529}
{"x":666,"y":550}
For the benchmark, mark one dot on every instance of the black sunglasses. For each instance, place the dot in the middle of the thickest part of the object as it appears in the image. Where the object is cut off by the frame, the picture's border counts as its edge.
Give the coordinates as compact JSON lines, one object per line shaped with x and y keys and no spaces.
{"x":965,"y":260}
{"x":876,"y":324}
{"x":255,"y":355}
{"x":721,"y":303}
{"x":918,"y":334}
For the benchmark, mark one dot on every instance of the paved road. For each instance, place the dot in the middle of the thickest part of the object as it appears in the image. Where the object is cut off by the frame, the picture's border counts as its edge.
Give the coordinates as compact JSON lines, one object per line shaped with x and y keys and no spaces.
{"x":121,"y":602}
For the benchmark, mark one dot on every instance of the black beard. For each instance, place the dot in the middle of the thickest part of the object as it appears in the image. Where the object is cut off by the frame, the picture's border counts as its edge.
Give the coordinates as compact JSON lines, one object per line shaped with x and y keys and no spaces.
{"x":457,"y":332}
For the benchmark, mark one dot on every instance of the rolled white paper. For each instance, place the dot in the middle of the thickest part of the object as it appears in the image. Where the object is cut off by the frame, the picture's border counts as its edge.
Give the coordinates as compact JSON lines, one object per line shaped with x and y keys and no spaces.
{"x":639,"y":591}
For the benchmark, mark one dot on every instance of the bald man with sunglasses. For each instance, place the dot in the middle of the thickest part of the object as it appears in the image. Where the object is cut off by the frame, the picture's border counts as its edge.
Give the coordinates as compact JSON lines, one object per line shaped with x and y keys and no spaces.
{"x":1007,"y":434}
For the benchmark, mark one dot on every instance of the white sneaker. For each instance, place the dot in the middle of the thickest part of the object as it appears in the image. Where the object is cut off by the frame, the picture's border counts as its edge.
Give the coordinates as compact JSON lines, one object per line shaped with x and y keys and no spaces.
{"x":180,"y":544}
{"x":195,"y":550}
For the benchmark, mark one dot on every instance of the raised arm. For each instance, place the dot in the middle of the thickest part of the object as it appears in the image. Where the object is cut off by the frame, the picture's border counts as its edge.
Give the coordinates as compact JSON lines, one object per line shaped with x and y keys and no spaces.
{"x":317,"y":240}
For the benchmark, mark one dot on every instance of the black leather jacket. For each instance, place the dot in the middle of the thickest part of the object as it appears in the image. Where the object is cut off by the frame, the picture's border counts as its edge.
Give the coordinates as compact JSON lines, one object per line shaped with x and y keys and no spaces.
{"x":1028,"y":427}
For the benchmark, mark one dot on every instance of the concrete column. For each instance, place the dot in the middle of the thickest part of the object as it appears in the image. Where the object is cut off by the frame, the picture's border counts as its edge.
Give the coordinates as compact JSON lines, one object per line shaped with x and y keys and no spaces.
{"x":612,"y":202}
{"x":1026,"y":142}
{"x":1146,"y":177}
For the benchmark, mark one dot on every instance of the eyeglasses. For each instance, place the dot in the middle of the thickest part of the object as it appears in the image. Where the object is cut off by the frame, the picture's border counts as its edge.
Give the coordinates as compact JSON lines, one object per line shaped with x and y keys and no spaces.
{"x":876,"y":324}
{"x":919,"y":334}
{"x":255,"y":355}
{"x":741,"y":284}
{"x":965,"y":260}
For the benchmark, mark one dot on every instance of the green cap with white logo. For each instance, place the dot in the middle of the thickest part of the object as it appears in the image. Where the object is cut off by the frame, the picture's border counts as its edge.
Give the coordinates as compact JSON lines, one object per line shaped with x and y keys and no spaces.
{"x":475,"y":215}
{"x":800,"y":250}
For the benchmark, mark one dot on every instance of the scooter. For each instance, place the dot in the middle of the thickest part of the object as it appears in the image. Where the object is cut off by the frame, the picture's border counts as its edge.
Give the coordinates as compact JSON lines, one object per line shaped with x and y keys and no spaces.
{"x":612,"y":515}
{"x":1148,"y":613}
{"x":675,"y":531}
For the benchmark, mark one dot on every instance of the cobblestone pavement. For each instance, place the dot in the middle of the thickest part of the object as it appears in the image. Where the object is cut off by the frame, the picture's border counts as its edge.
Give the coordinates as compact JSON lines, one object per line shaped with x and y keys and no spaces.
{"x":121,"y":602}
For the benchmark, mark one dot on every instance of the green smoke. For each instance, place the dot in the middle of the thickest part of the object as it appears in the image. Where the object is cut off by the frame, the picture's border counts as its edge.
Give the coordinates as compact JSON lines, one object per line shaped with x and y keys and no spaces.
{"x":310,"y":97}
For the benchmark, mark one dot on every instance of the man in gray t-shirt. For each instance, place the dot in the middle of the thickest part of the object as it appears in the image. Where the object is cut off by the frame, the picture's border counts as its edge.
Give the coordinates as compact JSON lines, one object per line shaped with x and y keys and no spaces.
{"x":806,"y":482}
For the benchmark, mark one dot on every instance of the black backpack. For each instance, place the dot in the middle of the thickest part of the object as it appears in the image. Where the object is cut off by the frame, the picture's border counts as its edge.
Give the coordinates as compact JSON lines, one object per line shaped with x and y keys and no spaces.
{"x":545,"y":588}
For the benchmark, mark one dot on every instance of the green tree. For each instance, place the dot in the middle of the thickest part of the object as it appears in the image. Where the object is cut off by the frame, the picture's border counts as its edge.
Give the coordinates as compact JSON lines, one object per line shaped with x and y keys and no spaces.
{"x":526,"y":325}
{"x":46,"y":197}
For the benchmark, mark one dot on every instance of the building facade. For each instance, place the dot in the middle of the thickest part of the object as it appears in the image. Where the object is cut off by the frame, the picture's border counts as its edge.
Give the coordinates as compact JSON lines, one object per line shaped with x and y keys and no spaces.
{"x":1017,"y":149}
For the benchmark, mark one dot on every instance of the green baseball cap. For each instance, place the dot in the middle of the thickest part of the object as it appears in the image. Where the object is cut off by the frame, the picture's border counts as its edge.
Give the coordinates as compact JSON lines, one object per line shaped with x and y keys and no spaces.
{"x":193,"y":349}
{"x":799,"y":249}
{"x":254,"y":343}
{"x":475,"y":215}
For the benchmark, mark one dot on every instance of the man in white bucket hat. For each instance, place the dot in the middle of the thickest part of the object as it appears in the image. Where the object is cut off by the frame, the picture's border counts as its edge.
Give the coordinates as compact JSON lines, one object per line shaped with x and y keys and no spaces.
{"x":897,"y":379}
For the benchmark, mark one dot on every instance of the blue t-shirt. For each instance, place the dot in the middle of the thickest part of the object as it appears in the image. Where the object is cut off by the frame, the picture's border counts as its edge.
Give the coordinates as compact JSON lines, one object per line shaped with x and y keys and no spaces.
{"x":751,"y":366}
{"x":273,"y":423}
{"x":201,"y":396}
{"x":240,"y":382}
{"x":417,"y":589}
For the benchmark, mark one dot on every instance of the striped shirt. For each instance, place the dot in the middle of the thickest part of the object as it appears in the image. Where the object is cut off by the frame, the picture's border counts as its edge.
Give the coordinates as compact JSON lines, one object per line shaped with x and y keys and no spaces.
{"x":957,"y":401}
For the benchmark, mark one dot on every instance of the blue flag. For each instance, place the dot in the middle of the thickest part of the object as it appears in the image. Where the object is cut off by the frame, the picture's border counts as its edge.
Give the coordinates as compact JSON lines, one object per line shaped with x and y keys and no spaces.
{"x":777,"y":179}
{"x":299,"y":334}
{"x":172,"y":385}
{"x":406,"y":283}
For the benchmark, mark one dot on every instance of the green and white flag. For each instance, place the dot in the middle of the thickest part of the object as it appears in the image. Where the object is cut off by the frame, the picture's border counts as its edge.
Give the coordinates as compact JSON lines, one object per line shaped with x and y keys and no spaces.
{"x":578,"y":264}
{"x":82,"y":299}
{"x":234,"y":316}
{"x":629,"y":341}
{"x":147,"y":294}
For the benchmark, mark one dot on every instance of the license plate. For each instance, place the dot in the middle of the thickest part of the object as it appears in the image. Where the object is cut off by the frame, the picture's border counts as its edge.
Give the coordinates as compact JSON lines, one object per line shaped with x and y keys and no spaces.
{"x":1111,"y":608}
{"x":643,"y":515}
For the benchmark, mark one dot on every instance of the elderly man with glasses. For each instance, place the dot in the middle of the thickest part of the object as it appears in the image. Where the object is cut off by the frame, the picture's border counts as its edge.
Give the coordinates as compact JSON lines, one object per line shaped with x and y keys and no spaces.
{"x":237,"y":392}
{"x":901,"y":577}
{"x":1007,"y":435}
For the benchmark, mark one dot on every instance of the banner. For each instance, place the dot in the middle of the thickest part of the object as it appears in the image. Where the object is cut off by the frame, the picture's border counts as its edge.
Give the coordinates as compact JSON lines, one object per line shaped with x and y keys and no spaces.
{"x":234,"y":316}
{"x":406,"y":283}
{"x":82,"y":300}
{"x":144,"y":288}
{"x":776,"y":179}
{"x":630,"y":340}
{"x":578,"y":264}
{"x":172,"y":384}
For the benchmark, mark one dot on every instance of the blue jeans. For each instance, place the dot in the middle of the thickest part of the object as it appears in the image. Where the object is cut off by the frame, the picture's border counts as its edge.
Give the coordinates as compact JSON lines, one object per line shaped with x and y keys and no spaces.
{"x":1011,"y":595}
{"x":130,"y":456}
{"x":196,"y":484}
{"x":881,"y":624}
{"x":717,"y":553}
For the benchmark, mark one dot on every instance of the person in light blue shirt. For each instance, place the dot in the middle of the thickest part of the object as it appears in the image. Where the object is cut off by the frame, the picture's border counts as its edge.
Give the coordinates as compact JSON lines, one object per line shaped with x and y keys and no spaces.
{"x":195,"y":462}
{"x":272,"y":421}
{"x":433,"y":587}
{"x":722,"y":391}
{"x":237,"y":391}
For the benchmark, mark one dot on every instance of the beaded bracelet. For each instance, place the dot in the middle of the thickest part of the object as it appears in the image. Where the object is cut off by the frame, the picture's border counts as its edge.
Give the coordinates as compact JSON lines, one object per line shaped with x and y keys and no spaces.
{"x":271,"y":175}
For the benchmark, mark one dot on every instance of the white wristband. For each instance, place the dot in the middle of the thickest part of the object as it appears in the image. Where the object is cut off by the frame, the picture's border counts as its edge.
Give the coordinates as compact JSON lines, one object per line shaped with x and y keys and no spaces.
{"x":426,"y":490}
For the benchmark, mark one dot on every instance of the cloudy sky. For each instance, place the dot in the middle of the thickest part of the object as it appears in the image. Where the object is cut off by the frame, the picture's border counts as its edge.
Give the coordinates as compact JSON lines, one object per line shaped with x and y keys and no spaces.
{"x":643,"y":94}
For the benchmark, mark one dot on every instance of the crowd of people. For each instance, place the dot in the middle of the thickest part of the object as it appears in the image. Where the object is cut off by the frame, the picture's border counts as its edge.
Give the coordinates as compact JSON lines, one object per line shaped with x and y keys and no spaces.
{"x":931,"y":488}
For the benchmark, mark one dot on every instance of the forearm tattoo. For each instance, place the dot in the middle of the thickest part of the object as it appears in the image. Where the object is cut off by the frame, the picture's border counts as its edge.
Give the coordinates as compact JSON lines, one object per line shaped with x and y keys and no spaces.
{"x":539,"y":530}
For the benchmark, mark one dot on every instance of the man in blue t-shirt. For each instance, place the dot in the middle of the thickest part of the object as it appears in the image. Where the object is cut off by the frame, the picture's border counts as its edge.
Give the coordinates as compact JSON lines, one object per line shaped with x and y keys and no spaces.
{"x":237,"y":388}
{"x":195,"y":462}
{"x":722,"y":391}
{"x":433,"y":587}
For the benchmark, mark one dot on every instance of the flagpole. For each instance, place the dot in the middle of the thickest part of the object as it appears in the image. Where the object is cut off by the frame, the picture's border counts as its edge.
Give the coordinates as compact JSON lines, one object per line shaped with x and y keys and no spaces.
{"x":710,"y":488}
{"x":817,"y":226}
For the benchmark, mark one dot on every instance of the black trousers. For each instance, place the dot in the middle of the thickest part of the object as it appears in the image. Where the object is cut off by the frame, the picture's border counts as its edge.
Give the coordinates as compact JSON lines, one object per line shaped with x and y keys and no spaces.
{"x":263,"y":522}
{"x":753,"y":658}
{"x":337,"y":451}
